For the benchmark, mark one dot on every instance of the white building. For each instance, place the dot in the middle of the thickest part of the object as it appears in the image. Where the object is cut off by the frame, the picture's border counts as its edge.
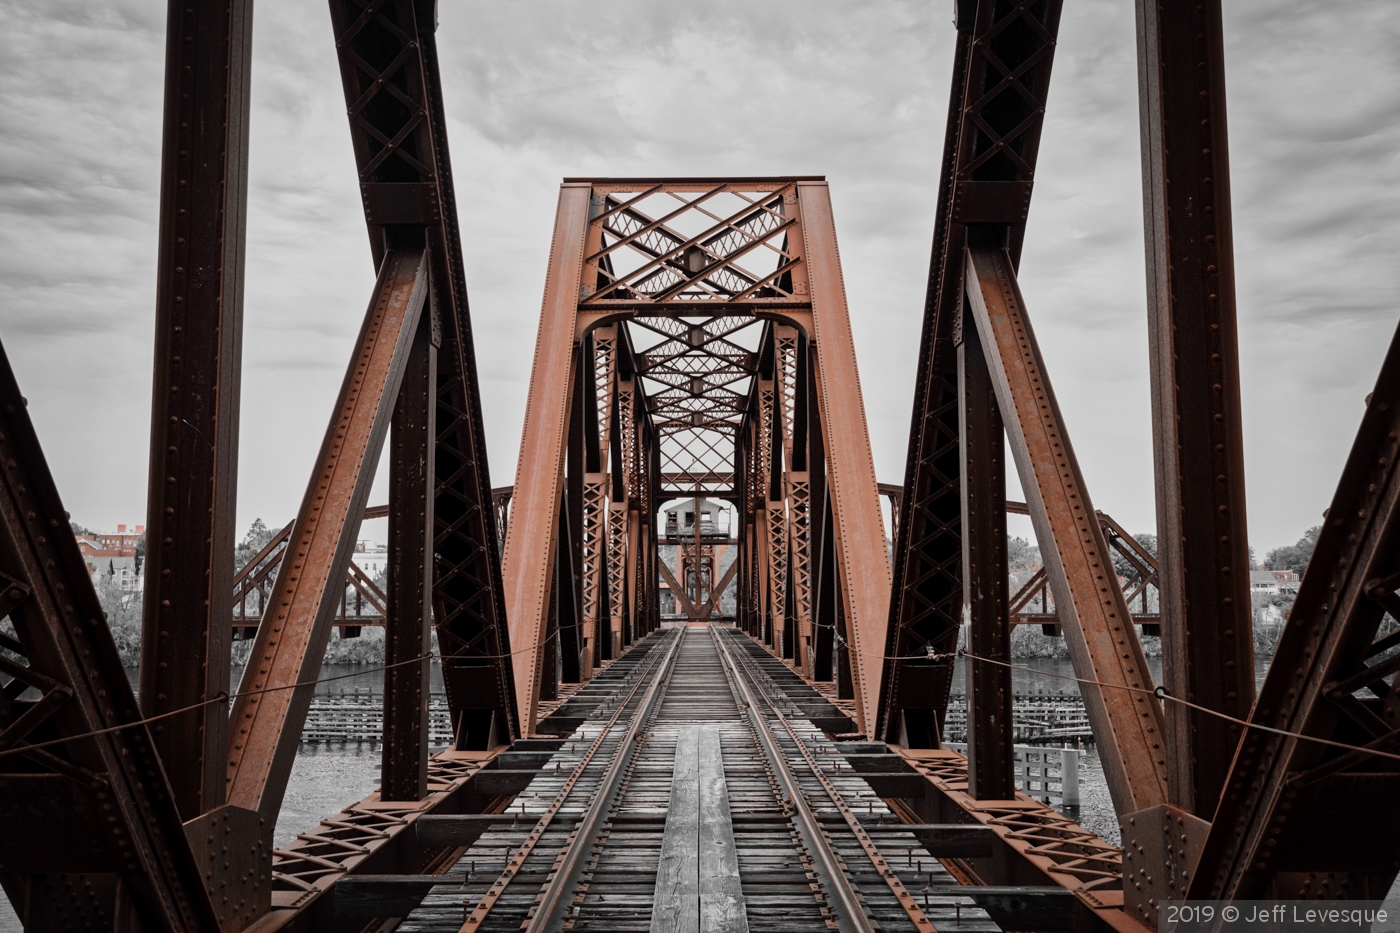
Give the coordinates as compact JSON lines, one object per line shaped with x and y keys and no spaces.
{"x":371,"y":557}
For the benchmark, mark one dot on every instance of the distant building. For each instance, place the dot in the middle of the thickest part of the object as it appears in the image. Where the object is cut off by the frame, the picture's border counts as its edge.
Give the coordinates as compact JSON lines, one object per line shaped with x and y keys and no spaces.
{"x":371,"y":557}
{"x":1287,"y":580}
{"x":1266,"y":582}
{"x":680,"y":519}
{"x":113,"y":554}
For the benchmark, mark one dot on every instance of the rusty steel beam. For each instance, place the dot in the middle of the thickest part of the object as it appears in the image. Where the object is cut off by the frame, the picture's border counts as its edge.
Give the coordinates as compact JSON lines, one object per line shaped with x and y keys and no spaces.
{"x":398,"y":127}
{"x":1001,"y":81}
{"x":991,"y":761}
{"x":265,"y":728}
{"x":1196,"y":430}
{"x":193,"y":478}
{"x":1298,"y":818}
{"x":408,"y":615}
{"x":97,"y":803}
{"x":1098,"y":629}
{"x":850,"y":466}
{"x":528,"y":562}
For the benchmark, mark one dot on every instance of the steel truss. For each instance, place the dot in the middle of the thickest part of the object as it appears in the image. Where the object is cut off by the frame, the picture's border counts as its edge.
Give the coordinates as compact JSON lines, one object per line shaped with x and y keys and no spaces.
{"x":1209,"y":805}
{"x":202,"y":783}
{"x":694,"y":343}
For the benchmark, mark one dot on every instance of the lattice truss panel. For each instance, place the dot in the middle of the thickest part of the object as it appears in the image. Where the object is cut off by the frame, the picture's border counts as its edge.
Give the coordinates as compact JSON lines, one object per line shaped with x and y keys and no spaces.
{"x":694,"y":265}
{"x":680,"y":259}
{"x":694,"y":248}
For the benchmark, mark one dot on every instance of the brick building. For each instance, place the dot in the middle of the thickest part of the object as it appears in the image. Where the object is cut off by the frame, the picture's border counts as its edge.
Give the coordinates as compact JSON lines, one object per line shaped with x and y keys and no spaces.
{"x":113,"y":554}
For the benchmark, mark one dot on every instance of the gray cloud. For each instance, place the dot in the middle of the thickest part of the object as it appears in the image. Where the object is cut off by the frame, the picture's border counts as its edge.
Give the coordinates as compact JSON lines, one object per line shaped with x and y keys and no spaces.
{"x":855,"y":91}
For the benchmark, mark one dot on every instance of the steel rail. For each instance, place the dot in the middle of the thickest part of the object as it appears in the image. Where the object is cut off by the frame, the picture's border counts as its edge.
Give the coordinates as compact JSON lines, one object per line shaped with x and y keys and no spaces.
{"x":897,"y":888}
{"x":568,"y":865}
{"x":852,"y":916}
{"x":488,"y":900}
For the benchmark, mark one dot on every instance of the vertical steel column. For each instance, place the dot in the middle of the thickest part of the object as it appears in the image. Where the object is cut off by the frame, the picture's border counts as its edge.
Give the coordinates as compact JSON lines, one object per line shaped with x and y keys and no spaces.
{"x":599,"y":384}
{"x":404,"y":763}
{"x":825,"y":621}
{"x":394,"y":104}
{"x":1201,"y":530}
{"x":621,"y":453}
{"x":789,"y":379}
{"x":193,"y":478}
{"x":990,"y":759}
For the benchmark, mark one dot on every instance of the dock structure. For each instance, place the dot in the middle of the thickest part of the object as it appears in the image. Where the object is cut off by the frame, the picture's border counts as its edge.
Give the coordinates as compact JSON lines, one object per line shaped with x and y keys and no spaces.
{"x":779,"y":767}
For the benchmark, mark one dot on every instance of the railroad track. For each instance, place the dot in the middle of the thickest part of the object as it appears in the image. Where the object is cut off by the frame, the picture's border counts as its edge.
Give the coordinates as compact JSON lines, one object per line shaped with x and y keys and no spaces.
{"x":696,"y":796}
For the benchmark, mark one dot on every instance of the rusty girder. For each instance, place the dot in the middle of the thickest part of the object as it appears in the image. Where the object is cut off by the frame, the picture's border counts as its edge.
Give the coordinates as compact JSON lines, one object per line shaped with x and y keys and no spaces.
{"x":712,"y":312}
{"x":1001,"y":79}
{"x":388,"y":63}
{"x":92,"y":832}
{"x":192,"y":481}
{"x":1300,"y":819}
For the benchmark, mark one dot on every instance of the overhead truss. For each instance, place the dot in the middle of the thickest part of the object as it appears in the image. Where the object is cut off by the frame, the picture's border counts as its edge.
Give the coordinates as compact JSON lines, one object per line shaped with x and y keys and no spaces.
{"x":695,"y":342}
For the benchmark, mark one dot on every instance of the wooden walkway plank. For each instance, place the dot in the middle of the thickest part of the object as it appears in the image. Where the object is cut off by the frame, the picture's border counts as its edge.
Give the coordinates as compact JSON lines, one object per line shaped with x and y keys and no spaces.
{"x":676,"y":904}
{"x":722,"y":908}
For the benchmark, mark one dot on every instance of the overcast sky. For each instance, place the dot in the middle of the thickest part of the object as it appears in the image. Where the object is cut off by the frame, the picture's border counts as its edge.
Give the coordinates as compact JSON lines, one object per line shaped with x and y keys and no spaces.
{"x":855,"y":91}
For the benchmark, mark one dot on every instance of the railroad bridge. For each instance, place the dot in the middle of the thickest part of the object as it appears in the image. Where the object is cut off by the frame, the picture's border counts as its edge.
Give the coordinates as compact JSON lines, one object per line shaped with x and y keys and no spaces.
{"x":783,"y":770}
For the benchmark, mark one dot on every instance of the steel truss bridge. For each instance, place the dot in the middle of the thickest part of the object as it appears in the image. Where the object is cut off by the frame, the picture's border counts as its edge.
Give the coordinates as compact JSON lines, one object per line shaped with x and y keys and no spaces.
{"x":784,"y":772}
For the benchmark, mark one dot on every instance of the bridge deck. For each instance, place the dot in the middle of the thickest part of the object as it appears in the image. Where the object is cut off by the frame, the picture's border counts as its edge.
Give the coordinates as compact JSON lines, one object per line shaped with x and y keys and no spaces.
{"x":523,"y":860}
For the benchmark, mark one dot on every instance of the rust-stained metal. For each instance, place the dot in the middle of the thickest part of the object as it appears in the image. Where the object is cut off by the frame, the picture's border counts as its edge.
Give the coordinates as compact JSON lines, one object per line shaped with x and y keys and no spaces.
{"x":850,"y":466}
{"x":265,"y":728}
{"x":98,"y":803}
{"x":404,"y":760}
{"x":991,"y":759}
{"x":694,"y":366}
{"x":193,"y":479}
{"x":695,"y":343}
{"x":528,"y":560}
{"x":1099,"y":631}
{"x":393,"y":95}
{"x":1298,"y":818}
{"x":1207,"y":616}
{"x":1001,"y":81}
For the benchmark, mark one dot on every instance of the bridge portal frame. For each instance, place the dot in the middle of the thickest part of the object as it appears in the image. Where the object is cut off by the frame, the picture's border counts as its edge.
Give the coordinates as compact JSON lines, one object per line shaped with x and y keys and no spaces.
{"x":799,"y":390}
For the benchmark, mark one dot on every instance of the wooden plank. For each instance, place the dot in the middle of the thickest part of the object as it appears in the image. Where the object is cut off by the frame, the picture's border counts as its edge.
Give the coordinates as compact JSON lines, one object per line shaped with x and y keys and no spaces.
{"x":534,"y":744}
{"x":519,"y":760}
{"x":1048,"y":908}
{"x":458,"y":829}
{"x":676,"y":903}
{"x":501,"y":781}
{"x":892,"y":784}
{"x":722,"y":907}
{"x":385,"y":895}
{"x":952,"y":840}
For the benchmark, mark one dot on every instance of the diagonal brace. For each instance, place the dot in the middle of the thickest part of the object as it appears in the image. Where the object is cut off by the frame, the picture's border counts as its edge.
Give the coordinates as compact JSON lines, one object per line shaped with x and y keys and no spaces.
{"x":265,"y":727}
{"x":1098,"y":628}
